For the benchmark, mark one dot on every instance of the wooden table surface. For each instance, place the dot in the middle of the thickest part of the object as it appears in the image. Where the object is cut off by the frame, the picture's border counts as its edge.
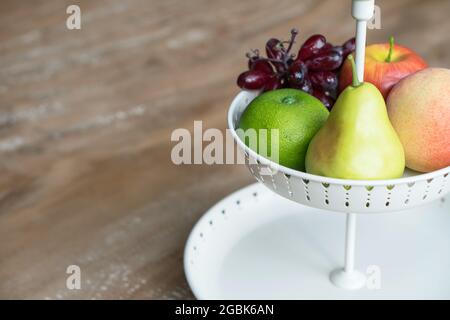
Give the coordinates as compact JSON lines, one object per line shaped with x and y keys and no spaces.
{"x":86,"y":118}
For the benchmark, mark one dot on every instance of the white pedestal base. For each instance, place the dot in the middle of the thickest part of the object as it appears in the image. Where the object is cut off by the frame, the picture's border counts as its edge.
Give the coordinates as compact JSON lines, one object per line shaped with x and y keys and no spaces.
{"x":348,"y":280}
{"x":255,"y":244}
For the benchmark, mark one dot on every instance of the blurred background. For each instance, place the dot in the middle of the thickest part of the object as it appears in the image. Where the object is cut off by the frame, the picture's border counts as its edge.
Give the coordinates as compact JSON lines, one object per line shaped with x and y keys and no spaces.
{"x":86,"y":118}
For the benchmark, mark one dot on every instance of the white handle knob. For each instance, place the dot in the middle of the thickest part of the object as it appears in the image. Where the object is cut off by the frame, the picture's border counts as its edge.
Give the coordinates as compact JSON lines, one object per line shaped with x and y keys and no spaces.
{"x":363,"y":9}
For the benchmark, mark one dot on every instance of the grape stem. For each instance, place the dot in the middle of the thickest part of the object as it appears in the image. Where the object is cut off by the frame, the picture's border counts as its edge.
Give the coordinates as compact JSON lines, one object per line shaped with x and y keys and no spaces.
{"x":270,"y":59}
{"x":391,"y":49}
{"x":285,"y":56}
{"x":294,"y":33}
{"x":355,"y":82}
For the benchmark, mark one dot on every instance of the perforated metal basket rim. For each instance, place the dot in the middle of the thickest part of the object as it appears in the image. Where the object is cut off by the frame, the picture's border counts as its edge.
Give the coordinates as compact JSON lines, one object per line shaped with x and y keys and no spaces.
{"x":312,"y":177}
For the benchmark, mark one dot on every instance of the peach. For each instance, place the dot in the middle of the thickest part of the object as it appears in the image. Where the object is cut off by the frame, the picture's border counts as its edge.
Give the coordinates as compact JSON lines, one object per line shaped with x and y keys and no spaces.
{"x":419,"y":109}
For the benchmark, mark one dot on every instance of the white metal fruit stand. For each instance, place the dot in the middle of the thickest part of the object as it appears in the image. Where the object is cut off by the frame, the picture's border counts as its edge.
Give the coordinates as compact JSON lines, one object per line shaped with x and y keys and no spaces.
{"x":255,"y":244}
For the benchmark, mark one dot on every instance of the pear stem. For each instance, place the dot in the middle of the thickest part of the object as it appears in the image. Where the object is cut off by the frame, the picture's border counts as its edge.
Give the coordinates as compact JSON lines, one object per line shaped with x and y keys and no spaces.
{"x":355,"y":81}
{"x":391,"y":49}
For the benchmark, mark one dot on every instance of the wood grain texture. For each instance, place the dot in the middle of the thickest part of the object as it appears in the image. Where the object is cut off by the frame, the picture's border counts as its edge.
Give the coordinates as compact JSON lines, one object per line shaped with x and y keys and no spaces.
{"x":86,"y":118}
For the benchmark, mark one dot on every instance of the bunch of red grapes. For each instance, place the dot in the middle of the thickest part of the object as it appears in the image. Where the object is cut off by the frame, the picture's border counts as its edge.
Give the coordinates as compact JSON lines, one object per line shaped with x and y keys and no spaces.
{"x":314,"y":70}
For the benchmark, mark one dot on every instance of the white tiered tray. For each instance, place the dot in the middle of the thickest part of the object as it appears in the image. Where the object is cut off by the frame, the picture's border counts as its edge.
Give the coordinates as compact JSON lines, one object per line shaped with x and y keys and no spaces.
{"x":349,"y":196}
{"x":256,"y":244}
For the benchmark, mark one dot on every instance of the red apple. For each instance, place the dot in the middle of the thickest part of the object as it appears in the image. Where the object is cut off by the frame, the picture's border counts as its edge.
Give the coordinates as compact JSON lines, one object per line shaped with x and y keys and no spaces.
{"x":385,"y":65}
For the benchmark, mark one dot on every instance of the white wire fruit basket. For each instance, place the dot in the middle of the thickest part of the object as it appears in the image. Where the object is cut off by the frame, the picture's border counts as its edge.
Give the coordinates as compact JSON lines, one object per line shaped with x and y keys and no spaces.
{"x":356,"y":196}
{"x":349,"y":196}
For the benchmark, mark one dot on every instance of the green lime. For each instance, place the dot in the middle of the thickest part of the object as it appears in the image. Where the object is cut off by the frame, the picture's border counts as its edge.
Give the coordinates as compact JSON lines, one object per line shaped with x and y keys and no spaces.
{"x":297,"y":116}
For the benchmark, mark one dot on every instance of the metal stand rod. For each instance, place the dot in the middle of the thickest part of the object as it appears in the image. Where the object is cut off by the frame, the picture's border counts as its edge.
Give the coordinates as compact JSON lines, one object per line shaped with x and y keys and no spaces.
{"x":347,"y":277}
{"x":360,"y":51}
{"x":350,"y":243}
